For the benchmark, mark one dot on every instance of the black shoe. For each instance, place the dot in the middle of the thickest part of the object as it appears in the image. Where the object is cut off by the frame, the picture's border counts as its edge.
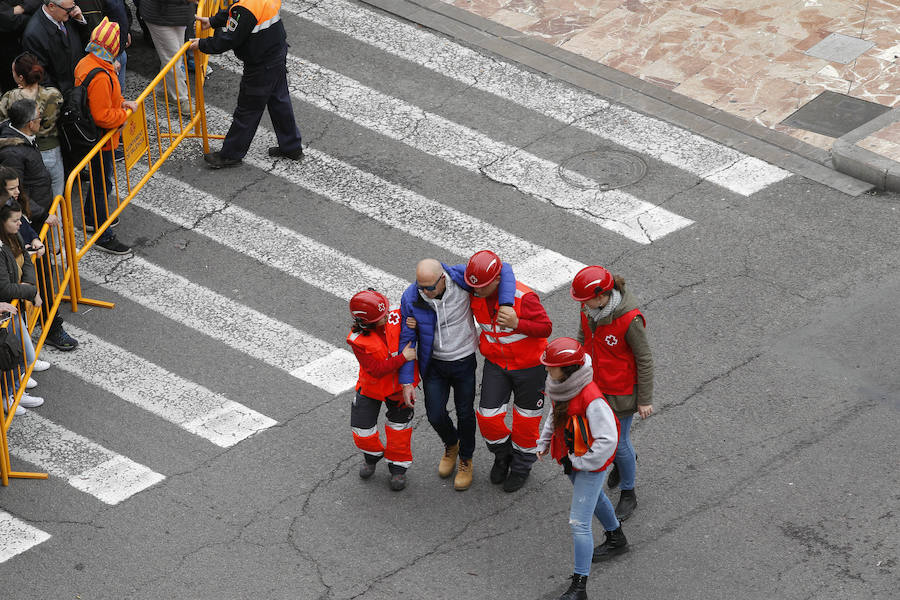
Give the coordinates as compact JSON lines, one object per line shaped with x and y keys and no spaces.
{"x":577,"y":590}
{"x":514,"y":482}
{"x":367,"y":469}
{"x":398,"y":481}
{"x":614,"y":545}
{"x":90,"y":228}
{"x":112,"y":246}
{"x":613,"y":480}
{"x":276,"y":152}
{"x":61,"y":340}
{"x":215,"y":160}
{"x":501,"y":468}
{"x":119,"y":154}
{"x":627,"y":504}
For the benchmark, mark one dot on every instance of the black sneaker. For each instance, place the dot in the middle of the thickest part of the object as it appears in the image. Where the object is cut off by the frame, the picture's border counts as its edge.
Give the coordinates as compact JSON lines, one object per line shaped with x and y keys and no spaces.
{"x":614,"y":477}
{"x":90,"y":228}
{"x":61,"y":340}
{"x":215,"y":160}
{"x":119,"y":155}
{"x":276,"y":152}
{"x":112,"y":246}
{"x":514,"y":482}
{"x":398,"y":481}
{"x":367,"y":469}
{"x":627,"y":504}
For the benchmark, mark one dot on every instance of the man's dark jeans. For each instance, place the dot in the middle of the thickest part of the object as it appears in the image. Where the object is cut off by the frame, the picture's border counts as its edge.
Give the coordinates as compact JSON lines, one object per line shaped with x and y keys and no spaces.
{"x":437,"y":383}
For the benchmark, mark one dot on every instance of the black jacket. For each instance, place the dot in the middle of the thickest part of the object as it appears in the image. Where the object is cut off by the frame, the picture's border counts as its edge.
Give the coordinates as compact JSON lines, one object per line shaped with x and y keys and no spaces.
{"x":25,"y":158}
{"x":267,"y":47}
{"x":10,"y":288}
{"x":57,"y":52}
{"x":11,"y":28}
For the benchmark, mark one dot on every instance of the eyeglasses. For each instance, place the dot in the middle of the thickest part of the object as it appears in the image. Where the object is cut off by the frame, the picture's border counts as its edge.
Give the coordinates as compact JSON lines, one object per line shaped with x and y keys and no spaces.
{"x":68,"y":10}
{"x":430,"y":288}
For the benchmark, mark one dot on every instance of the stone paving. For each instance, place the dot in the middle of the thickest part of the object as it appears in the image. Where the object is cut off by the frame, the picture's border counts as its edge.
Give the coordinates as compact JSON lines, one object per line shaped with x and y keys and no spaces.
{"x":760,"y":60}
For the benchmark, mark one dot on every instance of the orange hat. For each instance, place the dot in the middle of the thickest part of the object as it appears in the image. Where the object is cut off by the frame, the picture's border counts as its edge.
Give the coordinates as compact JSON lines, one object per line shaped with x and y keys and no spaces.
{"x":106,"y":35}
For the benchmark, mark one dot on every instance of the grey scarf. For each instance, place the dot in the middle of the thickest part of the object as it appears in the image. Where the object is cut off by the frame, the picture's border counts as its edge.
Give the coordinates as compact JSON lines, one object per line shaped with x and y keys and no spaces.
{"x":563,"y":391}
{"x":601,"y":313}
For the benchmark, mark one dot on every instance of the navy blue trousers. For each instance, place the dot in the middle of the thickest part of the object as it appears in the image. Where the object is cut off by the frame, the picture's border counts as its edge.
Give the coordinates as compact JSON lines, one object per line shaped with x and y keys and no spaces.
{"x":262,"y":87}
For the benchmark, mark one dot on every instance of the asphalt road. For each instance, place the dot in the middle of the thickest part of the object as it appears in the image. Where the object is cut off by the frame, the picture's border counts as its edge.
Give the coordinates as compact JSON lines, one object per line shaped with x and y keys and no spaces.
{"x":768,"y":471}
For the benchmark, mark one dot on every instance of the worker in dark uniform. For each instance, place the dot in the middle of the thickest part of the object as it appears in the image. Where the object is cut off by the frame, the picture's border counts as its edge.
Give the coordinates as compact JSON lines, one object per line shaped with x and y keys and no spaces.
{"x":253,"y":29}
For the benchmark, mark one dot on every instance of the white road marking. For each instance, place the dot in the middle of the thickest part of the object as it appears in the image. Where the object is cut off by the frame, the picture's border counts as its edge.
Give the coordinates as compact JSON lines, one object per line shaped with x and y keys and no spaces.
{"x":17,"y":537}
{"x":234,"y":324}
{"x":668,"y":143}
{"x":184,"y":403}
{"x":84,"y":464}
{"x":615,"y":210}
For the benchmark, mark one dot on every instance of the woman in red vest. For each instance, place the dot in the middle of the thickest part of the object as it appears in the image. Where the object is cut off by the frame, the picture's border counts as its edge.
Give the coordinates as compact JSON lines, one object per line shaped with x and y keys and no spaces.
{"x":581,"y":433}
{"x":613,"y":333}
{"x":374,"y":337}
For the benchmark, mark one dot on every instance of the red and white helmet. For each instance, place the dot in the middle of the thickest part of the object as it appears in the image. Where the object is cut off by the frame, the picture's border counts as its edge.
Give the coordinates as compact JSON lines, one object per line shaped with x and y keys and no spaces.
{"x":562,"y":352}
{"x":590,"y":282}
{"x":369,"y":306}
{"x":482,"y":268}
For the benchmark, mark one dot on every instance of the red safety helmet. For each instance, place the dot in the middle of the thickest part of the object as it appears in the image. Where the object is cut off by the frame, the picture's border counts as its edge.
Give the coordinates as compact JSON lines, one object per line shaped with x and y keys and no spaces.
{"x":482,"y":268}
{"x":562,"y":352}
{"x":591,"y":281}
{"x":368,"y":306}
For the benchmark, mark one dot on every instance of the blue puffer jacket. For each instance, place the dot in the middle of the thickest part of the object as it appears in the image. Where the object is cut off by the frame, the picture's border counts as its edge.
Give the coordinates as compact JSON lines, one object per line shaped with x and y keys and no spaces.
{"x":412,"y":304}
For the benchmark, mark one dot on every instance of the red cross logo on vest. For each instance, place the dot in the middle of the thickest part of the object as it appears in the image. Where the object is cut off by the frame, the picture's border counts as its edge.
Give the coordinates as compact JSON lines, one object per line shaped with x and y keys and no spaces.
{"x":611,"y":340}
{"x":394,"y":318}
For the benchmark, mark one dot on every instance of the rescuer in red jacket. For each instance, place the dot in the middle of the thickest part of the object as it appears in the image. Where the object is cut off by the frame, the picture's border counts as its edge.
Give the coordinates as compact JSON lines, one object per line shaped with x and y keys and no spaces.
{"x":374,"y":338}
{"x":511,"y":342}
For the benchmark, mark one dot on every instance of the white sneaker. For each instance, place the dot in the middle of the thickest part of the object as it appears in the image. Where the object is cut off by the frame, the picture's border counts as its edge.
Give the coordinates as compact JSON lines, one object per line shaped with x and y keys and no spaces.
{"x":20,"y":410}
{"x":31,"y":384}
{"x":29,"y":401}
{"x":40,"y":365}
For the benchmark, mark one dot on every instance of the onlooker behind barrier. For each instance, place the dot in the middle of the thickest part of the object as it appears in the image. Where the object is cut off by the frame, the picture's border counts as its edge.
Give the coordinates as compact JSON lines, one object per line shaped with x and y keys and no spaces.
{"x":17,"y":282}
{"x":53,"y":35}
{"x":107,"y":108}
{"x":28,"y":73}
{"x":10,"y":183}
{"x":14,"y":16}
{"x":167,"y":21}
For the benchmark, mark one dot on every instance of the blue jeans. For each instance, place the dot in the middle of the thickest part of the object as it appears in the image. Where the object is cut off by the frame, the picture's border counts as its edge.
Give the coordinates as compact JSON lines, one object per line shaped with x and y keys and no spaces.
{"x":460,"y":376}
{"x":16,"y":328}
{"x":101,"y":189}
{"x":588,"y":499}
{"x":123,"y":60}
{"x":625,"y":462}
{"x":54,"y":162}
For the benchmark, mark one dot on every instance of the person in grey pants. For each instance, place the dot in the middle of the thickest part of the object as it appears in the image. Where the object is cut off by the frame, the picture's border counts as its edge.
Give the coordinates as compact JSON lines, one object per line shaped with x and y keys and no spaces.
{"x":167,"y":21}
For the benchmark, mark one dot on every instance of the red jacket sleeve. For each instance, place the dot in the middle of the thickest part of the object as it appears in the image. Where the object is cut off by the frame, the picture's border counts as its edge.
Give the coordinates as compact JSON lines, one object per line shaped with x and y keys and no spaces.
{"x":533,"y":319}
{"x":375,"y":367}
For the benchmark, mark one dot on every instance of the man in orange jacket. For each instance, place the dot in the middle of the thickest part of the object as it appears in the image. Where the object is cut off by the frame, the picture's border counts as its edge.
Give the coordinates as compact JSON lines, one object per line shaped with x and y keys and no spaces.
{"x":512,"y":343}
{"x":107,"y":108}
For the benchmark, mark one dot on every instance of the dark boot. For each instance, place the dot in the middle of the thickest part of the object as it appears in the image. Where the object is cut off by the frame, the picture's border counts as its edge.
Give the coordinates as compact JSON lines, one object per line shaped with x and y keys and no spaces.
{"x":613,"y":480}
{"x":500,"y":468}
{"x":627,"y":504}
{"x":367,"y":469}
{"x":577,"y":590}
{"x":514,"y":482}
{"x":614,"y":545}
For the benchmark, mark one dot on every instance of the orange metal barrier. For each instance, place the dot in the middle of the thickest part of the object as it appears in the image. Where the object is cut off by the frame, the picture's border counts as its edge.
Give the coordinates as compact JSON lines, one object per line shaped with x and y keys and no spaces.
{"x":54,"y":273}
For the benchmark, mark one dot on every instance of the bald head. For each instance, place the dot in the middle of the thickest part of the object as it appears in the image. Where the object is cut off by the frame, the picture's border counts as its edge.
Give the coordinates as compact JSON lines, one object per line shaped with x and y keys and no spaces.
{"x":430,"y":274}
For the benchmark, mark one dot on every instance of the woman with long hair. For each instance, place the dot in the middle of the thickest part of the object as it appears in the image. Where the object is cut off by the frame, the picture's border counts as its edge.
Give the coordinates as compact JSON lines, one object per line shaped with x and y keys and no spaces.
{"x":28,"y":73}
{"x":613,"y":331}
{"x":581,"y":434}
{"x":375,"y":338}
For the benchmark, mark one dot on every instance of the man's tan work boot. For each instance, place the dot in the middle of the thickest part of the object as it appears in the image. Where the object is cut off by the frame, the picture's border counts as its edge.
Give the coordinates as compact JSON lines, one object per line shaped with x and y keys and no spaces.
{"x":463,"y":475}
{"x":448,"y":461}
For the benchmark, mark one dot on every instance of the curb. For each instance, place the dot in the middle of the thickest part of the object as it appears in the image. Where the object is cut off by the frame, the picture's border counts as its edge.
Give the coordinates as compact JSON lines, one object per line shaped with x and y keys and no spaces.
{"x":866,"y":165}
{"x":750,"y":138}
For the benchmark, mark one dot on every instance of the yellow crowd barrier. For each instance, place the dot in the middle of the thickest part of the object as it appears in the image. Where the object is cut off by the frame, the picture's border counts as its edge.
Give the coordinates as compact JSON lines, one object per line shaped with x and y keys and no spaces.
{"x":160,"y":113}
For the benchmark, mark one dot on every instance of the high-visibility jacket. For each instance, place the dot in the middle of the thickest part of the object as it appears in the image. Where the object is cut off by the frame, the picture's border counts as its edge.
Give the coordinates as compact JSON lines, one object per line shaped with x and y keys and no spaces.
{"x":266,"y":12}
{"x":577,"y":407}
{"x":615,"y":370}
{"x":381,"y":348}
{"x":259,"y":41}
{"x":501,"y":345}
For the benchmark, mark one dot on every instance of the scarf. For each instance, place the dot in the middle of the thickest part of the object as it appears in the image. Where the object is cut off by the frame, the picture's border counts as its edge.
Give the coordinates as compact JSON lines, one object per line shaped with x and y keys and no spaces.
{"x":601,"y":313}
{"x":563,"y":391}
{"x":100,"y":52}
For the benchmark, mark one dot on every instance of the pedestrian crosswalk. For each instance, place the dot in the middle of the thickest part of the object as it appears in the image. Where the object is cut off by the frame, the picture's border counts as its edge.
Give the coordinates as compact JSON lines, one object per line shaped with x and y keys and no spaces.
{"x":306,"y":256}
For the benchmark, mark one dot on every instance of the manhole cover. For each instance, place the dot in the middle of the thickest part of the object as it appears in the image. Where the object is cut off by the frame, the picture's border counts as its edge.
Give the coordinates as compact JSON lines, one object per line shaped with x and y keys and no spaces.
{"x":602,"y":169}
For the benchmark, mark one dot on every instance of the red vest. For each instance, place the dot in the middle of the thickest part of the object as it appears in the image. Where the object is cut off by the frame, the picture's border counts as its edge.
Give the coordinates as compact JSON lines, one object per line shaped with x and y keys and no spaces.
{"x":381,"y":348}
{"x":501,"y":345}
{"x":578,"y":406}
{"x":615,"y":372}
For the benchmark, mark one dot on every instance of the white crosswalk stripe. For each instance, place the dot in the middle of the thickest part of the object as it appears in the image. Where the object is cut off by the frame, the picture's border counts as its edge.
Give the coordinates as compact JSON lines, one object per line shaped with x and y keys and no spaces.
{"x":17,"y":536}
{"x":672,"y":145}
{"x":615,"y":210}
{"x":186,"y":404}
{"x":212,"y":314}
{"x":83,"y":464}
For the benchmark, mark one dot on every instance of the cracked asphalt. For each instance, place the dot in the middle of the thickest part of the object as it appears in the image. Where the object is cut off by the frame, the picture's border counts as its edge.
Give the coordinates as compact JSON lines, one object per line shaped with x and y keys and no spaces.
{"x":768,"y":471}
